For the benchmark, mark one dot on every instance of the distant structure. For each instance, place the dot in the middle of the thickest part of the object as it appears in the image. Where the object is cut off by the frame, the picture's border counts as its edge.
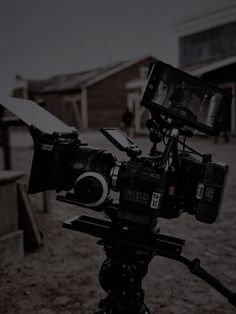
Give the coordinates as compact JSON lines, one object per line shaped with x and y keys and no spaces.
{"x":89,"y":99}
{"x":135,"y":89}
{"x":207,"y":49}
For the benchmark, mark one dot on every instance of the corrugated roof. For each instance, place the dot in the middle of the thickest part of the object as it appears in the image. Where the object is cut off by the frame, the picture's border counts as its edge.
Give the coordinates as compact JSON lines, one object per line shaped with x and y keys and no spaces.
{"x":75,"y":81}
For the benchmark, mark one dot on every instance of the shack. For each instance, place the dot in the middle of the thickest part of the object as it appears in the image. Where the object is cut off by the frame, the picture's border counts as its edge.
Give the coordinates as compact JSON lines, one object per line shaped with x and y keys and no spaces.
{"x":89,"y":99}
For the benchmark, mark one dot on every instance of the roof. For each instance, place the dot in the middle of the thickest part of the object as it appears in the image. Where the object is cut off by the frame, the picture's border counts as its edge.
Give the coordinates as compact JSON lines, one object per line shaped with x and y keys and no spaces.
{"x":78,"y":81}
{"x":211,"y":17}
{"x":208,"y":66}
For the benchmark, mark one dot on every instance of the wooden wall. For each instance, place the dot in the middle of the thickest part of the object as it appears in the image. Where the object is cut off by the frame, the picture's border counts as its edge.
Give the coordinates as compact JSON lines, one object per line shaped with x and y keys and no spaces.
{"x":107,"y":98}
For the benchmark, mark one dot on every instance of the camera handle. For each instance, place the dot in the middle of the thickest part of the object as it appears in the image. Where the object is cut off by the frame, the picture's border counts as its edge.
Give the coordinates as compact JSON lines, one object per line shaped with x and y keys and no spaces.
{"x":195,"y":269}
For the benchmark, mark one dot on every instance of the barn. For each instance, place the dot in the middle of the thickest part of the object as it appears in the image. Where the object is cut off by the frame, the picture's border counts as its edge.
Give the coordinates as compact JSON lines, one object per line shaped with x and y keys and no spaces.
{"x":89,"y":99}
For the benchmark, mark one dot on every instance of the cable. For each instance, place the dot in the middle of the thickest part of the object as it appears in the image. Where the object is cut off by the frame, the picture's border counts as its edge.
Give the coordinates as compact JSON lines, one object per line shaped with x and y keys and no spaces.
{"x":183,"y":143}
{"x":190,"y":148}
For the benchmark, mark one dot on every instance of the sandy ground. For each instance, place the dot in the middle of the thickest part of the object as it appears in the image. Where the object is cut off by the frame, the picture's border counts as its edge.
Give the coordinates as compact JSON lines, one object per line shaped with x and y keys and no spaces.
{"x":62,"y":277}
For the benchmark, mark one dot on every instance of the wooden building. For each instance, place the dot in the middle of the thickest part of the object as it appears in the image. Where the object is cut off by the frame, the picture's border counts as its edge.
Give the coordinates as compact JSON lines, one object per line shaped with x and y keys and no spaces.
{"x":93,"y":99}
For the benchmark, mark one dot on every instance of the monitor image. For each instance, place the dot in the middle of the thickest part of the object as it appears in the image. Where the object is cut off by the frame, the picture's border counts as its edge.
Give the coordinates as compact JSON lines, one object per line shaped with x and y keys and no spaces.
{"x":178,"y":95}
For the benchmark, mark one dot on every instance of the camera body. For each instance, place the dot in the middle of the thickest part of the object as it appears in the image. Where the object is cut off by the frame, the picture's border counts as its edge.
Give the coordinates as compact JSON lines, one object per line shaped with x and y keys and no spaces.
{"x":148,"y":192}
{"x":142,"y":188}
{"x":148,"y":189}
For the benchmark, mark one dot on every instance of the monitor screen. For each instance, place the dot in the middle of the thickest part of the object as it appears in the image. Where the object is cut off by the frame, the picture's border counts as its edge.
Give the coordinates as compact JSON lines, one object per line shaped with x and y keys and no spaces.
{"x":179,"y":95}
{"x":120,"y":138}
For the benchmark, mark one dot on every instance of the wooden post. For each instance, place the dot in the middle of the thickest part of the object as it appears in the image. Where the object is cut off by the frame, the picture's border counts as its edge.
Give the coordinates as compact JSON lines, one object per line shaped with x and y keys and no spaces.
{"x":6,"y":148}
{"x":33,"y":237}
{"x":5,"y":123}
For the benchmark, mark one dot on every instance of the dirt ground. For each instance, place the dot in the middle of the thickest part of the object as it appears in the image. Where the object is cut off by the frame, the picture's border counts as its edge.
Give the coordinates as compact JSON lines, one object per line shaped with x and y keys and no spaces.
{"x":62,"y":277}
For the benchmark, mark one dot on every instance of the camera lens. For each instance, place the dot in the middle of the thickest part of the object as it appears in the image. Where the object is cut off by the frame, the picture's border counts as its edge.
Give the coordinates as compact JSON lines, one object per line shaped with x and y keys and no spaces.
{"x":91,"y":189}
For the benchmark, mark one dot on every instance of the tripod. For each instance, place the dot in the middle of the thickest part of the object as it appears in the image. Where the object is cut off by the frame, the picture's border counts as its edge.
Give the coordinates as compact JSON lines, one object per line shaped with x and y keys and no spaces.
{"x":128,"y":256}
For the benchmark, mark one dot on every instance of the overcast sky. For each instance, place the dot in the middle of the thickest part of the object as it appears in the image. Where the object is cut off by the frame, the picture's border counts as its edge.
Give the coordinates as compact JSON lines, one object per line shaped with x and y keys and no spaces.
{"x":42,"y":38}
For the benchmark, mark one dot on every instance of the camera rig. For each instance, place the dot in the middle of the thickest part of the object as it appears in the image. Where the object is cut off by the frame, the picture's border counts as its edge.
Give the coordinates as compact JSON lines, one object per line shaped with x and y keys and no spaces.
{"x":128,"y":251}
{"x":162,"y":185}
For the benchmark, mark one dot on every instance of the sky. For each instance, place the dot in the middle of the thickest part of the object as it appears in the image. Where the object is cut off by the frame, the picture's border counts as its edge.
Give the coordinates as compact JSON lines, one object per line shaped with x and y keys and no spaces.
{"x":42,"y":38}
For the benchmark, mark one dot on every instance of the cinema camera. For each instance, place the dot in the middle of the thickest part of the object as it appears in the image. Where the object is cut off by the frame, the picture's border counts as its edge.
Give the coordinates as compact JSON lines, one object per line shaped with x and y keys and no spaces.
{"x":163,"y":184}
